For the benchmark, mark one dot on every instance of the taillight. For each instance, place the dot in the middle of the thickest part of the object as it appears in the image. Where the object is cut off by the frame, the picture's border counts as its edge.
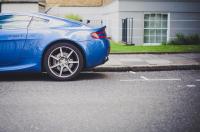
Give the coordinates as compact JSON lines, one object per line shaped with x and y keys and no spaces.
{"x":95,"y":35}
{"x":99,"y":35}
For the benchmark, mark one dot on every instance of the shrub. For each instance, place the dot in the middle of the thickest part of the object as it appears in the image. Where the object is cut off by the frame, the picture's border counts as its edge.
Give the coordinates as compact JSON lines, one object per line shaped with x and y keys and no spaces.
{"x":182,"y":39}
{"x":73,"y":17}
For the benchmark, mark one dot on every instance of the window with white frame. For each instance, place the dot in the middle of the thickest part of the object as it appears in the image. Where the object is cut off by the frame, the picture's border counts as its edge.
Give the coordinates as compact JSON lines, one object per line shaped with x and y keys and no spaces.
{"x":155,"y":28}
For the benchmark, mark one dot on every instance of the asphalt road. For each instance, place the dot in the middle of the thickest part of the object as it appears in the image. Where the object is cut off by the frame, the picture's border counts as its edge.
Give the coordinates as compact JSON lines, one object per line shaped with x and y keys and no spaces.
{"x":167,"y":101}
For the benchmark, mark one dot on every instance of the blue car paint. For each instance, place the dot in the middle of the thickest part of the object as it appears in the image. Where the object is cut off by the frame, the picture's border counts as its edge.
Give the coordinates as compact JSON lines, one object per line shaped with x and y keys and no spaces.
{"x":11,"y":45}
{"x":22,"y":50}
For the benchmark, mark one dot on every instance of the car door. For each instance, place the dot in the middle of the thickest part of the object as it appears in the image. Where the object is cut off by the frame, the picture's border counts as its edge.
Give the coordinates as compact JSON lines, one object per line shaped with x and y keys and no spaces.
{"x":13,"y":34}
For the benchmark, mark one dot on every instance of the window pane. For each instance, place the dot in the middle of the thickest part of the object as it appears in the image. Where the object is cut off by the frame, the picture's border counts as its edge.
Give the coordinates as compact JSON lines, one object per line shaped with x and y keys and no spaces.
{"x":158,"y":32}
{"x":19,"y":18}
{"x":164,"y":17}
{"x":146,"y":17}
{"x":14,"y":22}
{"x":158,"y":39}
{"x":146,"y":32}
{"x":152,"y":16}
{"x":5,"y":17}
{"x":146,"y":24}
{"x":152,"y":32}
{"x":164,"y":32}
{"x":152,"y":39}
{"x":57,"y":23}
{"x":164,"y":39}
{"x":158,"y":17}
{"x":156,"y":28}
{"x":146,"y":39}
{"x":164,"y":24}
{"x":39,"y":23}
{"x":157,"y":24}
{"x":152,"y":24}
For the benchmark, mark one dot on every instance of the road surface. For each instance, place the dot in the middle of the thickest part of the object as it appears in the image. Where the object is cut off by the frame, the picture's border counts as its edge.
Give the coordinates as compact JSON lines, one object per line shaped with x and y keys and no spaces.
{"x":165,"y":101}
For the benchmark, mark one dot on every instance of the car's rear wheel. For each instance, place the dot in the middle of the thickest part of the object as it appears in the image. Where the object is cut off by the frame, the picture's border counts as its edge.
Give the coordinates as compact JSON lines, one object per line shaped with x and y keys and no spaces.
{"x":63,"y":61}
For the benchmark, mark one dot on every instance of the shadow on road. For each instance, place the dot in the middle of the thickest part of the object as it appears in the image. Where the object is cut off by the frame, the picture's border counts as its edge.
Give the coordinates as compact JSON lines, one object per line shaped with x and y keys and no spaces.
{"x":44,"y":77}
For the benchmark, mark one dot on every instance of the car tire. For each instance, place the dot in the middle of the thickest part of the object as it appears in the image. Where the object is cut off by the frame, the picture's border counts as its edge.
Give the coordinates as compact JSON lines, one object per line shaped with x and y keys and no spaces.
{"x":63,"y":61}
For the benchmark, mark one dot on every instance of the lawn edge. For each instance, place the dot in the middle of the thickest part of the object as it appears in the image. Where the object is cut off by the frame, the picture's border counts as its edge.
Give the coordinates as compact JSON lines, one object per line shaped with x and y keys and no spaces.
{"x":154,"y":53}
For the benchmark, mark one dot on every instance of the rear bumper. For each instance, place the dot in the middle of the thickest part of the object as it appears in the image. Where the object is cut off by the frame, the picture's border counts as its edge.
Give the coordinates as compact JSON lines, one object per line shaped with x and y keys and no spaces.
{"x":106,"y":59}
{"x":96,"y":52}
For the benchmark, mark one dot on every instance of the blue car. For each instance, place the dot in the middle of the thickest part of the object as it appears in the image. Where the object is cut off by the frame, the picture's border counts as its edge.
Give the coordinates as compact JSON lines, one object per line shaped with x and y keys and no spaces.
{"x":43,"y":43}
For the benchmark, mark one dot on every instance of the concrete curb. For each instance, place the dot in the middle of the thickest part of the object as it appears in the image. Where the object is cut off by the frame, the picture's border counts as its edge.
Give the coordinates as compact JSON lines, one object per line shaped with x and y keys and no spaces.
{"x":156,"y":53}
{"x":146,"y":68}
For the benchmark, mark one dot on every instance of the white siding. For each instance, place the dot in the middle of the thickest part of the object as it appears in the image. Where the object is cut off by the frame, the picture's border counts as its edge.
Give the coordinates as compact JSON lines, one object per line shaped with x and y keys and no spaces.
{"x":19,"y":7}
{"x":113,"y":25}
{"x":85,"y":12}
{"x":112,"y":21}
{"x":159,"y":6}
{"x":184,"y":16}
{"x":186,"y":23}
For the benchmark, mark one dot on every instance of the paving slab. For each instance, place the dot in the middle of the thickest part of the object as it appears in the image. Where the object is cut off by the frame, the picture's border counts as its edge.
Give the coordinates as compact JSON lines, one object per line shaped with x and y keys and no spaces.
{"x":151,"y":62}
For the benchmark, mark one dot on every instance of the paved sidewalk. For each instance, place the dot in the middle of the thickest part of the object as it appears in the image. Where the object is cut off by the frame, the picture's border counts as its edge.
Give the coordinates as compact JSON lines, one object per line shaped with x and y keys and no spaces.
{"x":151,"y":62}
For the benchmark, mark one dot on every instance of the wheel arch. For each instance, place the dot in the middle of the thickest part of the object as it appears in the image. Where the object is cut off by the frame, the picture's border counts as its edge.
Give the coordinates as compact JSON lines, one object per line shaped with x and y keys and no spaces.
{"x":63,"y":41}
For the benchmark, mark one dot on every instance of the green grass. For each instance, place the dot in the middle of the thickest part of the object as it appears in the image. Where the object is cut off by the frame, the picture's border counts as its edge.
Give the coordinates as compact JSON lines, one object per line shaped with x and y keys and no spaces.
{"x":122,"y":48}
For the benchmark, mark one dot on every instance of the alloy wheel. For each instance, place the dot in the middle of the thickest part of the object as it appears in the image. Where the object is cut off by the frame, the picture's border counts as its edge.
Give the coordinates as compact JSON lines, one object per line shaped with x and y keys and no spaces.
{"x":63,"y":62}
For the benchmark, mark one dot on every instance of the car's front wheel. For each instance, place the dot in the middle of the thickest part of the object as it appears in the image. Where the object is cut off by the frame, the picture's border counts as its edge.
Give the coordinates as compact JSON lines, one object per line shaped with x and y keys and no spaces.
{"x":63,"y":61}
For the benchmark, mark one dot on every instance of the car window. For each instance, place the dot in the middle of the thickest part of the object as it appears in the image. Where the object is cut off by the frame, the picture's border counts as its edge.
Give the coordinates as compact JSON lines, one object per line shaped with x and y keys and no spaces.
{"x":14,"y":21}
{"x":58,"y":23}
{"x":37,"y":22}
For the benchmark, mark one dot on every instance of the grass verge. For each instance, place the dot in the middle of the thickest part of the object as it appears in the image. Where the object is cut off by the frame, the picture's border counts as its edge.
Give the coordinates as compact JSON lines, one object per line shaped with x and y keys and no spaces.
{"x":122,"y":48}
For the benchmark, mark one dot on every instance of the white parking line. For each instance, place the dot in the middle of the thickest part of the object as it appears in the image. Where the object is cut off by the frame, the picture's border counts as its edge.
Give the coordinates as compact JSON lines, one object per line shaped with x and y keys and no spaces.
{"x":160,"y":79}
{"x":151,"y":80}
{"x":143,"y":78}
{"x":133,"y":80}
{"x":191,"y":86}
{"x":132,"y":72}
{"x":168,"y":79}
{"x":198,"y":80}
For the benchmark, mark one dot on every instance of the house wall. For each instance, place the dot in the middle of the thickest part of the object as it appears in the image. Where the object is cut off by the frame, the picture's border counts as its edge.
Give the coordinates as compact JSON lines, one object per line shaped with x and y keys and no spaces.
{"x":85,"y":12}
{"x":19,"y":7}
{"x":186,"y":23}
{"x":75,"y":2}
{"x":159,"y":6}
{"x":80,"y":3}
{"x":110,"y":17}
{"x":184,"y":17}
